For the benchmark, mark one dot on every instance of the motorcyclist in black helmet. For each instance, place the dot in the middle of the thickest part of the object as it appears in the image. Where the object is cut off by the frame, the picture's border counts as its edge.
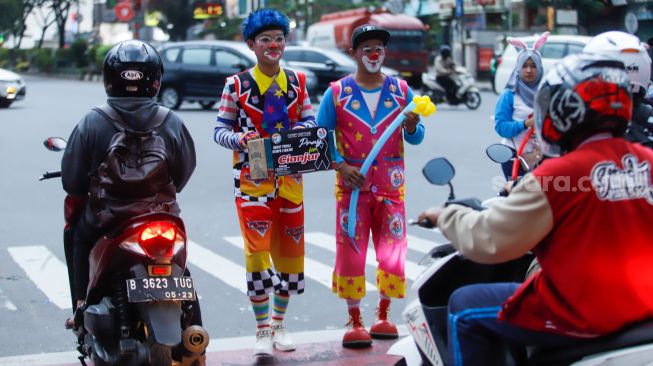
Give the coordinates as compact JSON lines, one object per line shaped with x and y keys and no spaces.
{"x":445,"y":71}
{"x":132,"y":76}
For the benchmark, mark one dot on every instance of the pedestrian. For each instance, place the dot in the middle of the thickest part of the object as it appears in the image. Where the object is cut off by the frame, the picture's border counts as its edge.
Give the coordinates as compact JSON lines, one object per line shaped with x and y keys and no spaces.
{"x":513,"y":114}
{"x":359,"y":107}
{"x":256,"y":103}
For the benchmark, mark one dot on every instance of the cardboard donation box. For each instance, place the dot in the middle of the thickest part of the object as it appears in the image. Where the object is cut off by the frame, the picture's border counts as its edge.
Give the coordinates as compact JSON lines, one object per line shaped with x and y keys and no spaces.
{"x":297,"y":151}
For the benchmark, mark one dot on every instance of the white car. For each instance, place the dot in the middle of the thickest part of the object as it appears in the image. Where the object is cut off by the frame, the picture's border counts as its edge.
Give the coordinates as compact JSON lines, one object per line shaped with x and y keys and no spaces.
{"x":12,"y":88}
{"x":555,"y":48}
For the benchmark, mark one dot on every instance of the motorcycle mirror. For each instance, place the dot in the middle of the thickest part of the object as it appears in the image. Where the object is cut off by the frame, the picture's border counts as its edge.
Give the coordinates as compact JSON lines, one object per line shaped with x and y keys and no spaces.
{"x":500,"y":153}
{"x":55,"y":144}
{"x":439,"y":171}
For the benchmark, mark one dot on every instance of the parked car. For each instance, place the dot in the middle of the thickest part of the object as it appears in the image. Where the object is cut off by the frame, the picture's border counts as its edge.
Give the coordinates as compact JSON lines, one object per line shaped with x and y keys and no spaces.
{"x":12,"y":88}
{"x":195,"y":71}
{"x":327,"y":64}
{"x":555,"y":48}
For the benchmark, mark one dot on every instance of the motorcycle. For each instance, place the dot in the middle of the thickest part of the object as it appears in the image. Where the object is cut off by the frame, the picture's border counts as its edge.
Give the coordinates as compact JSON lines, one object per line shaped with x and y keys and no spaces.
{"x":141,"y":306}
{"x":466,"y":90}
{"x":446,"y":270}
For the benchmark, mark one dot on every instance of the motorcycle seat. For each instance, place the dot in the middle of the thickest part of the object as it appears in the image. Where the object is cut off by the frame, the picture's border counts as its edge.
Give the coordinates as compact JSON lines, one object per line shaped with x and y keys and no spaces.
{"x":639,"y":334}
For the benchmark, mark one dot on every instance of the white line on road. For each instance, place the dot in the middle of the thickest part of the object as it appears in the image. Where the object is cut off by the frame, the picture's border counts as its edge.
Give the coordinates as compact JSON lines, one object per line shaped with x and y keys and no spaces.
{"x":312,"y":269}
{"x":421,"y":245}
{"x":219,"y":267}
{"x":328,"y":242}
{"x":47,"y":272}
{"x":5,"y":303}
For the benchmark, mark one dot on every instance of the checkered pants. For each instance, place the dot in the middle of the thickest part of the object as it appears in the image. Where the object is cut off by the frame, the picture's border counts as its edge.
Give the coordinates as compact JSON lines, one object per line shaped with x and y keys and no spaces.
{"x":261,"y":283}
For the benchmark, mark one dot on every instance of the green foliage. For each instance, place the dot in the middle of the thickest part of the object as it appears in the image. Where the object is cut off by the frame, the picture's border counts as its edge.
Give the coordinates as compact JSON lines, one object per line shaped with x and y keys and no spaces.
{"x":43,"y":59}
{"x":4,"y":57}
{"x":63,"y":58}
{"x":78,"y":50}
{"x":10,"y":10}
{"x":100,"y":52}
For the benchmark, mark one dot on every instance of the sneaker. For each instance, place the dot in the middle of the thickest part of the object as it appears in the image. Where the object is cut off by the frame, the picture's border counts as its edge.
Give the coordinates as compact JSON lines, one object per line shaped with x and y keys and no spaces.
{"x":382,"y":327}
{"x":356,"y":336}
{"x":263,"y":345}
{"x":282,"y":339}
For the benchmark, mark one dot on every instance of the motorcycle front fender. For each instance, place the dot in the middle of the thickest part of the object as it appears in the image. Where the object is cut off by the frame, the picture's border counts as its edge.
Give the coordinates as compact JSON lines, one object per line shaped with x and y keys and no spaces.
{"x":163,"y":319}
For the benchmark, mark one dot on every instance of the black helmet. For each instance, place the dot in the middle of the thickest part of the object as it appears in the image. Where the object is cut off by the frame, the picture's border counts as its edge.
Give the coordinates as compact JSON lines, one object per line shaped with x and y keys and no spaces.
{"x":445,"y":51}
{"x":132,"y":69}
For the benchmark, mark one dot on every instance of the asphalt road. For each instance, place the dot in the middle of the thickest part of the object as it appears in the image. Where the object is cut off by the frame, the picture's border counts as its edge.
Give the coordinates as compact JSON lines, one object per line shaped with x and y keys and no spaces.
{"x":31,"y":220}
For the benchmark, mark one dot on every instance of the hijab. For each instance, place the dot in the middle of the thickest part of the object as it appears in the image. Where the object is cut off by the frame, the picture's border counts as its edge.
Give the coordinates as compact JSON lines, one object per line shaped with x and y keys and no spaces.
{"x":526,"y":90}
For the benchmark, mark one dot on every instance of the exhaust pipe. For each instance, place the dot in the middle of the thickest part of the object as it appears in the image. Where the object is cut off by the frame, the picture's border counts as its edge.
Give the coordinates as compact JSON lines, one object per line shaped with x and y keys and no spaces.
{"x":195,"y":340}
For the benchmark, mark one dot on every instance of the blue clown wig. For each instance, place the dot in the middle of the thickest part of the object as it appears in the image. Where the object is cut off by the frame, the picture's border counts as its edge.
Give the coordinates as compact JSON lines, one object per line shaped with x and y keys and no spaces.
{"x":262,"y":20}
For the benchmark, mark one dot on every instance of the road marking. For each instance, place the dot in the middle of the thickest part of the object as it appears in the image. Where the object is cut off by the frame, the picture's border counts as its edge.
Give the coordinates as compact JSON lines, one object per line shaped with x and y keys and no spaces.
{"x":47,"y":272}
{"x":219,"y":267}
{"x":328,"y":242}
{"x":215,"y":346}
{"x":420,"y":245}
{"x":312,"y":269}
{"x":5,"y":303}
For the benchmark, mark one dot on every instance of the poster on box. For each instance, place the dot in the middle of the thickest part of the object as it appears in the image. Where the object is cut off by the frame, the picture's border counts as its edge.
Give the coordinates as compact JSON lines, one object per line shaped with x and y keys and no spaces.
{"x":302,"y":151}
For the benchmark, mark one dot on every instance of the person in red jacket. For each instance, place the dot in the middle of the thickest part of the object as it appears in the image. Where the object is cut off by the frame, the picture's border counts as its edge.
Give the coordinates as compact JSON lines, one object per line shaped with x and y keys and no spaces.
{"x":584,"y":214}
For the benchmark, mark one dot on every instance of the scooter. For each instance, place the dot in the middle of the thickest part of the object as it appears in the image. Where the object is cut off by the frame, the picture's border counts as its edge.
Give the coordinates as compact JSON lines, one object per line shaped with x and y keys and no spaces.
{"x":141,"y":306}
{"x":446,"y":270}
{"x":466,"y":90}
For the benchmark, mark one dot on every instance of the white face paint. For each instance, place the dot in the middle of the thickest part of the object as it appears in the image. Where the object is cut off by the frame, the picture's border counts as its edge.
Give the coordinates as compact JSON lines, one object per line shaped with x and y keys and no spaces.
{"x":373,"y":58}
{"x":272,"y":55}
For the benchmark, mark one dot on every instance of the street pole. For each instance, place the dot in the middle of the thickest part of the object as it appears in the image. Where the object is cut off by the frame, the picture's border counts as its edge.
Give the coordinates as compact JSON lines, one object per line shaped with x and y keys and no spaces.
{"x":460,"y":13}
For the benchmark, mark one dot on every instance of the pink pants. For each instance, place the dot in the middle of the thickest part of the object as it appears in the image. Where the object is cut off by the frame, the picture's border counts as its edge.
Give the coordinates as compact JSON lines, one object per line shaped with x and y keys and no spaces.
{"x":385,"y":218}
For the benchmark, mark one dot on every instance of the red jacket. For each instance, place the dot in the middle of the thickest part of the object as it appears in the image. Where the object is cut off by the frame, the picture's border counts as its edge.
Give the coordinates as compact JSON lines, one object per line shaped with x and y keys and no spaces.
{"x":597,"y":262}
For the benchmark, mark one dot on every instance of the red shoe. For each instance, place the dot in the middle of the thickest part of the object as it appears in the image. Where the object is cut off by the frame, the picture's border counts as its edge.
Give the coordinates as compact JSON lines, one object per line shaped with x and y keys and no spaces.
{"x":383,"y":328}
{"x":356,"y":336}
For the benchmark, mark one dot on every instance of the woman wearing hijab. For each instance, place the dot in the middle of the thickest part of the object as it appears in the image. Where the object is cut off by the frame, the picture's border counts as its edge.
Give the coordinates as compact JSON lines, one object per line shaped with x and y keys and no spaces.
{"x":513,"y":115}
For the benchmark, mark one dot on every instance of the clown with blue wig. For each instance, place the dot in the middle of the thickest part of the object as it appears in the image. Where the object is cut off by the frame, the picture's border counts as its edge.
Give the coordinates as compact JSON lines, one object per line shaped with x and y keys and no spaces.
{"x":258,"y":103}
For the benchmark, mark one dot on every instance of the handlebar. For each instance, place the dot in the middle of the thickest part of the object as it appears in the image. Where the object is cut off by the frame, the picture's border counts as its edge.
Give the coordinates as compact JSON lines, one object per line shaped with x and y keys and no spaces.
{"x":49,"y":175}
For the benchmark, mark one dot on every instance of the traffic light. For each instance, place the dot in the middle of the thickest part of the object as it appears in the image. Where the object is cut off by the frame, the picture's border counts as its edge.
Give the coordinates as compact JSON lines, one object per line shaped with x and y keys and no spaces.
{"x":111,"y":4}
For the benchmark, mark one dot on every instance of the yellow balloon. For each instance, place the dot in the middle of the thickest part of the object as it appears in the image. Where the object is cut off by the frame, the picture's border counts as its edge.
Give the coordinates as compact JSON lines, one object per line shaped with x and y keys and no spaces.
{"x":423,"y":105}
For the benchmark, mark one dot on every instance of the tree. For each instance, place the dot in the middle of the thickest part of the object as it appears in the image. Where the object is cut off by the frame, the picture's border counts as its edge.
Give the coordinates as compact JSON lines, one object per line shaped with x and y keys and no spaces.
{"x":44,"y":18}
{"x":10,"y":10}
{"x":178,"y":16}
{"x":13,"y":14}
{"x":61,"y":8}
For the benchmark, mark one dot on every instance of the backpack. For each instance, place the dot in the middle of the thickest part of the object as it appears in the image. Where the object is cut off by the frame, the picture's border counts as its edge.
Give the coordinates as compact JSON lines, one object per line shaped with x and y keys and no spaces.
{"x":133,"y":178}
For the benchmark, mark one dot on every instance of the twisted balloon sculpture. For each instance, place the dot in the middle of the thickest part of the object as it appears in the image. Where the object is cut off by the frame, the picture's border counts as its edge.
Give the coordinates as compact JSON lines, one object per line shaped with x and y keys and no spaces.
{"x":420,"y":105}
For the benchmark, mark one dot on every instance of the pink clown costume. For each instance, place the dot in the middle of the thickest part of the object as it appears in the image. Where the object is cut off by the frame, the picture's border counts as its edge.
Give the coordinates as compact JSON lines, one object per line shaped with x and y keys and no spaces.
{"x":381,"y":202}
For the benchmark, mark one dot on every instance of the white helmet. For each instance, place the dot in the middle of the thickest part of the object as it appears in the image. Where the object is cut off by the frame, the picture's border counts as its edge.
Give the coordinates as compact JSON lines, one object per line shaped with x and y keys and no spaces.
{"x":628,"y":49}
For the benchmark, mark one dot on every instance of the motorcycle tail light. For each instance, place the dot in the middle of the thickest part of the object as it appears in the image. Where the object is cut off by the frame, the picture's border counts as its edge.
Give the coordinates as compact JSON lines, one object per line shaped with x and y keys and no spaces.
{"x":157,"y":239}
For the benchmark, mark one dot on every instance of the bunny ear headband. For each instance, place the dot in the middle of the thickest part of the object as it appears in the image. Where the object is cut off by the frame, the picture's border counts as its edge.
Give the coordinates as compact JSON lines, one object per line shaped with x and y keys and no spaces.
{"x":520,"y":45}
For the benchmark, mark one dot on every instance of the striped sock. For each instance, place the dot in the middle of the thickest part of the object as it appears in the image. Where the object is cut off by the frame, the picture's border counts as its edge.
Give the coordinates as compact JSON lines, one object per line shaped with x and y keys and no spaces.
{"x":279,"y":306}
{"x":261,"y":307}
{"x":353,"y":304}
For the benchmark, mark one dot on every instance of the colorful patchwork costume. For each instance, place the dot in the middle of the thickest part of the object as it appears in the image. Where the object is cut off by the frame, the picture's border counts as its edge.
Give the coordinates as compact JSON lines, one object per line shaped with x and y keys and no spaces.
{"x":270,"y":211}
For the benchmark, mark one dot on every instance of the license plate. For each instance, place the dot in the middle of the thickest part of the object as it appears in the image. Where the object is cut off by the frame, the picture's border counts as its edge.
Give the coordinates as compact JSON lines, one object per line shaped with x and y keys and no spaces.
{"x":160,"y":288}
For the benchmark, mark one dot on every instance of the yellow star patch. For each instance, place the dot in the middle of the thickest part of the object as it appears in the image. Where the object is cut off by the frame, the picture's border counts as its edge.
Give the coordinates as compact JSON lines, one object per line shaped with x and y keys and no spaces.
{"x":359,"y":137}
{"x":278,"y":93}
{"x":279,"y":126}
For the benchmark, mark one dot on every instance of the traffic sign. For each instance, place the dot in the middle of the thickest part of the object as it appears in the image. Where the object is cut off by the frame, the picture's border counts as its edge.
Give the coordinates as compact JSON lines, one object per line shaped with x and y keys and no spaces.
{"x":124,"y":11}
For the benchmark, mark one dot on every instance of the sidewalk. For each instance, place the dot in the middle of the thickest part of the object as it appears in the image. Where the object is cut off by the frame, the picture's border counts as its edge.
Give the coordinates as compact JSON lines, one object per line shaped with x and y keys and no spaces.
{"x":314,"y":348}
